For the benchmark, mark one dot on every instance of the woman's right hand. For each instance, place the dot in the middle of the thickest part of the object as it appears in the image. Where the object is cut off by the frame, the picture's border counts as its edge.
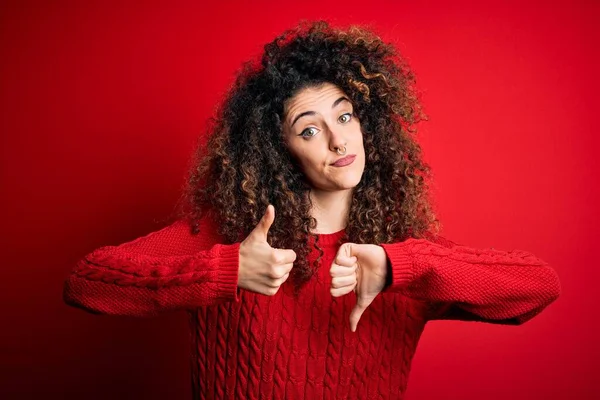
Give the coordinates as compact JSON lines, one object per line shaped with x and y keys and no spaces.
{"x":263,"y":269}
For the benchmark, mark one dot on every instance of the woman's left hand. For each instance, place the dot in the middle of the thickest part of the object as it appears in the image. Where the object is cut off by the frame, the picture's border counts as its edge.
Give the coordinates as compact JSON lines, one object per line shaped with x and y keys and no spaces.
{"x":361,"y":268}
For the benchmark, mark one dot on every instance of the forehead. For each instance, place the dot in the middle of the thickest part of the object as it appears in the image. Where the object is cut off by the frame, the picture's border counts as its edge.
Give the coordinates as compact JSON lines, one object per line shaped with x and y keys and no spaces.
{"x":312,"y":99}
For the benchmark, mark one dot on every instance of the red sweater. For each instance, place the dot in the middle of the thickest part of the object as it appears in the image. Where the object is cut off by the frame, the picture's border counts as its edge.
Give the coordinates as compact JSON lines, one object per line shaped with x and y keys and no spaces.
{"x":247,"y":345}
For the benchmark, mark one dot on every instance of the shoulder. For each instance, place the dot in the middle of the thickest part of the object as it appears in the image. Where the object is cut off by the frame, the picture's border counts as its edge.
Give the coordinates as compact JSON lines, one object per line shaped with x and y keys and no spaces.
{"x":439,"y":239}
{"x":427,"y":239}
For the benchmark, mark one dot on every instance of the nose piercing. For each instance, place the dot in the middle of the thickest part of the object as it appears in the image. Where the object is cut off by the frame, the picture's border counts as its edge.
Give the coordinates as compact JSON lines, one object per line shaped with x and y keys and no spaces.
{"x":341,"y":153}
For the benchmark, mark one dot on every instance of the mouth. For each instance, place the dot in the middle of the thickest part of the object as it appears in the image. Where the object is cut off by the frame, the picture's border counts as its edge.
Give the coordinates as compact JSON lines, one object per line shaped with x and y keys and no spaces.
{"x":342,"y":162}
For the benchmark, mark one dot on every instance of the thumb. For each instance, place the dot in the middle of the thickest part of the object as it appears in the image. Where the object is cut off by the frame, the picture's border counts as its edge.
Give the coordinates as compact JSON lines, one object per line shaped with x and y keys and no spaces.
{"x":357,"y":312}
{"x":262,"y":229}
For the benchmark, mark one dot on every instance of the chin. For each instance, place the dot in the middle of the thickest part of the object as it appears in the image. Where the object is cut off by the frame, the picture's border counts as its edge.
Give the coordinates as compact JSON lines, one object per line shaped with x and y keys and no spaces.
{"x":349,"y":182}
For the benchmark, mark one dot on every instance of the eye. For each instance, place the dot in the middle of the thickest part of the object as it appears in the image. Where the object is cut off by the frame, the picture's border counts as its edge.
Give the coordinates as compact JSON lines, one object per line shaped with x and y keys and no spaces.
{"x":345,"y":118}
{"x":309,"y":132}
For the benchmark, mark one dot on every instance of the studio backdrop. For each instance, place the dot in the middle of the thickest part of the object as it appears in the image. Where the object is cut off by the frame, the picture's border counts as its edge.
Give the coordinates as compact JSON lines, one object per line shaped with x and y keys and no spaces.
{"x":102,"y":103}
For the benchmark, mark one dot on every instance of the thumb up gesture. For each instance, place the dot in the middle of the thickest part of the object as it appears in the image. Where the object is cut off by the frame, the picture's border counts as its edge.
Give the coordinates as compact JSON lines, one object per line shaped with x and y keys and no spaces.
{"x":361,"y":268}
{"x":263,"y":269}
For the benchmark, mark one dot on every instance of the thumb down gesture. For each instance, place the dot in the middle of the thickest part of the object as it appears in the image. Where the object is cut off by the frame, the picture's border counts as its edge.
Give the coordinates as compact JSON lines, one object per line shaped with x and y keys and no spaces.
{"x":361,"y":268}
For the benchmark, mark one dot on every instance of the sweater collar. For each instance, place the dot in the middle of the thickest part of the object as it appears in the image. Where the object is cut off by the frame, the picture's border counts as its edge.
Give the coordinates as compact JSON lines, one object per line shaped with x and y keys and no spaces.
{"x":330,"y":239}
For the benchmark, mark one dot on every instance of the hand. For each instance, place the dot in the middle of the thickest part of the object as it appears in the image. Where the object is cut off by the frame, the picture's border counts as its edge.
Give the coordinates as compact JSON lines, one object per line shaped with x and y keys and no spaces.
{"x":263,"y":269}
{"x":361,"y":268}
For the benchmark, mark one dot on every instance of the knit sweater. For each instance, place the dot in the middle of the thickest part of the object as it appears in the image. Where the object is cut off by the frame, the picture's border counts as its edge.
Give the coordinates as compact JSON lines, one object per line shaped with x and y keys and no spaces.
{"x":246,"y":345}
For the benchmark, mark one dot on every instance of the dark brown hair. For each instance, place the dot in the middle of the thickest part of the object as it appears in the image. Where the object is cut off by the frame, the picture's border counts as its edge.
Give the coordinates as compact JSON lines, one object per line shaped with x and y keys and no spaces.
{"x":245,"y":165}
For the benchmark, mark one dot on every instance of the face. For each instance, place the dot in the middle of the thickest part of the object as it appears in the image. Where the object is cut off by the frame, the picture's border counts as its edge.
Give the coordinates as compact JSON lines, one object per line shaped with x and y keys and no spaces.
{"x":317,"y":122}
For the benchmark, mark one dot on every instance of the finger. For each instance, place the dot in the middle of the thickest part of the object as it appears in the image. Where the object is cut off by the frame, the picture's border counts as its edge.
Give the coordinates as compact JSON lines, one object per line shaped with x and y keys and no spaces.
{"x":345,"y":250}
{"x":278,"y":271}
{"x":262,"y":228}
{"x":337,"y":292}
{"x":345,"y":261}
{"x":278,"y":282}
{"x":285,"y":256}
{"x":342,"y":281}
{"x":337,"y":270}
{"x":285,"y":277}
{"x":286,"y":268}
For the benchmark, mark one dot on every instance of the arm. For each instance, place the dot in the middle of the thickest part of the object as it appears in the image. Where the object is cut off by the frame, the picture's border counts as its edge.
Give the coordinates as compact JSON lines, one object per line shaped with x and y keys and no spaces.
{"x":459,"y":282}
{"x":165,"y":270}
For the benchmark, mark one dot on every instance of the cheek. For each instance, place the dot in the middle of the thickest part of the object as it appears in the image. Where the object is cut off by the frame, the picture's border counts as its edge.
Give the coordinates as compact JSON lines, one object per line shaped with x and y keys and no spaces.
{"x":308,"y":161}
{"x":301,"y":156}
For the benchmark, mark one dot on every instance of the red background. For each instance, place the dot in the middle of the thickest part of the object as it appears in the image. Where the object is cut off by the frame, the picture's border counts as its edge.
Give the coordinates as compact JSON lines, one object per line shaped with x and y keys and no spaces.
{"x":101,"y":104}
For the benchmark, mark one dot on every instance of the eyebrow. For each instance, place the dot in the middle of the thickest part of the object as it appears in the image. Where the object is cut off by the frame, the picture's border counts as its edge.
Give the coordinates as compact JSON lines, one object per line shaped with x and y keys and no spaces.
{"x":334,"y":105}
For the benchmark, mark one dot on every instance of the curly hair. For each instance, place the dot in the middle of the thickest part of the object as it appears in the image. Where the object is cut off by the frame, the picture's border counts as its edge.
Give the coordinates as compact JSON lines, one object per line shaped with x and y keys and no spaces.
{"x":244,"y":165}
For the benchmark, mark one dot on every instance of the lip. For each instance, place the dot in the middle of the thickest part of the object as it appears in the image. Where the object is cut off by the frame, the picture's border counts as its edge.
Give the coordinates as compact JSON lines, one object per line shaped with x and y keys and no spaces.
{"x":342,"y":162}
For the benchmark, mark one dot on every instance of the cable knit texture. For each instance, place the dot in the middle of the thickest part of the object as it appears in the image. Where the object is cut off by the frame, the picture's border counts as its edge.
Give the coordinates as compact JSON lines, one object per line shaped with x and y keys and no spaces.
{"x":251,"y":346}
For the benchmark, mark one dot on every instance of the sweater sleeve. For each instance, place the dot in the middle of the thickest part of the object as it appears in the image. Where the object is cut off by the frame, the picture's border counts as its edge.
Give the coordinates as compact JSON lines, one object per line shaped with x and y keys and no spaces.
{"x":165,"y":270}
{"x":464,"y":283}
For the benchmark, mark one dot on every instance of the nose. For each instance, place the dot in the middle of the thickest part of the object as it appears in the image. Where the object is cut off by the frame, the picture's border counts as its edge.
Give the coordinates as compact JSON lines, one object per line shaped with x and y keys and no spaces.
{"x":337,"y":142}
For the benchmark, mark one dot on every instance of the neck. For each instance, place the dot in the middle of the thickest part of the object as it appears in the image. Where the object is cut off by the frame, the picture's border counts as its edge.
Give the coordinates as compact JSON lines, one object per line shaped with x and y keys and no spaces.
{"x":330,"y":209}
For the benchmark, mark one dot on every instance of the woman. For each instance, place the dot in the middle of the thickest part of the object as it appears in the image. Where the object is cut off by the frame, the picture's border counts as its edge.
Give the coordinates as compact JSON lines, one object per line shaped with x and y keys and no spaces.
{"x":307,"y":254}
